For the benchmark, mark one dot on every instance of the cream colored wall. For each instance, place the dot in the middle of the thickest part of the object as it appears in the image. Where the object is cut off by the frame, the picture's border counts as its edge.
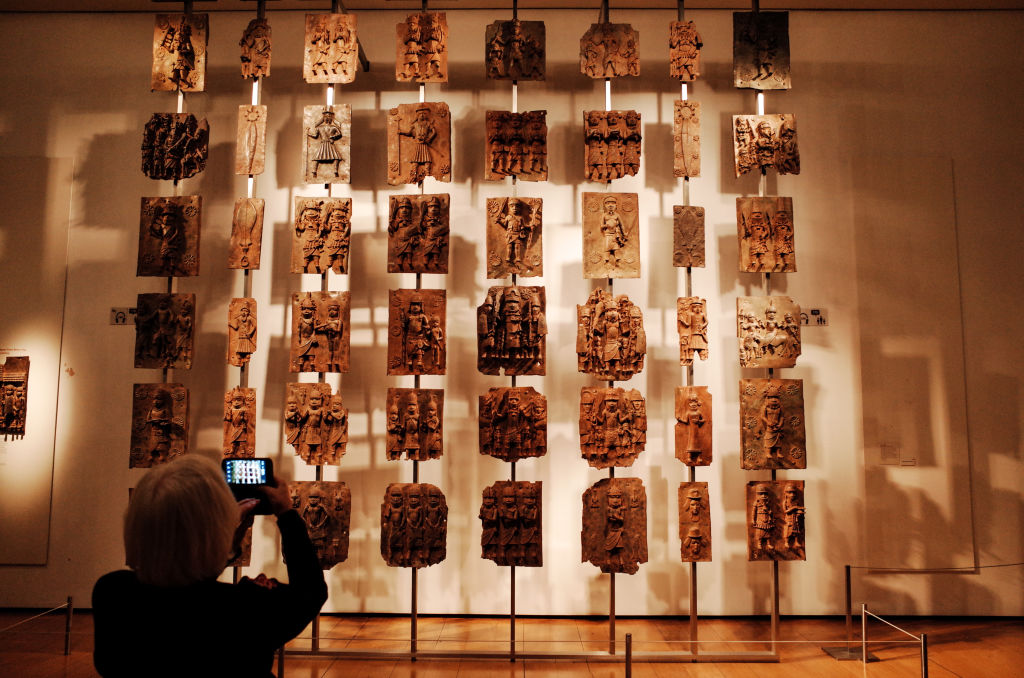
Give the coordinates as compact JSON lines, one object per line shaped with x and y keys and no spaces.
{"x":907,"y":212}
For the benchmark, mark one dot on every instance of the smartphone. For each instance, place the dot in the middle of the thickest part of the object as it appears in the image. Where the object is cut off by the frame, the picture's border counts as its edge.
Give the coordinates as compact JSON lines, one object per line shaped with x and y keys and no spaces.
{"x":246,"y":476}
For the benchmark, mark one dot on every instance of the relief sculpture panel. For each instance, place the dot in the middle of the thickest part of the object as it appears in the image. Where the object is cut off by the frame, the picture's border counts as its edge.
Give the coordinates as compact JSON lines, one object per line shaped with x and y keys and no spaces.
{"x":320,"y":332}
{"x":510,"y":519}
{"x":610,"y":339}
{"x":169,"y":236}
{"x":611,"y":235}
{"x":686,"y":138}
{"x":251,"y":140}
{"x":692,"y":323}
{"x":174,"y":146}
{"x":418,"y":233}
{"x":514,"y":242}
{"x":694,"y":522}
{"x":327,"y":147}
{"x":614,"y":535}
{"x":772,"y":430}
{"x":422,"y":48}
{"x":240,"y":423}
{"x":687,"y":236}
{"x":766,"y":340}
{"x":760,"y":50}
{"x":765,"y":228}
{"x":164,"y":326}
{"x":419,"y":143}
{"x":326,"y":508}
{"x":611,"y":144}
{"x":321,"y":235}
{"x":159,"y":424}
{"x":517,"y":145}
{"x":513,"y":423}
{"x":13,"y":395}
{"x":256,"y":47}
{"x":610,"y":50}
{"x":330,"y":48}
{"x":775,"y":520}
{"x":613,"y":426}
{"x":246,"y":242}
{"x":415,"y":423}
{"x":417,"y":343}
{"x":413,"y":525}
{"x":515,"y":50}
{"x":684,"y":45}
{"x":512,"y":329}
{"x":241,"y":330}
{"x":315,"y":423}
{"x":693,"y":430}
{"x":764,"y":142}
{"x":179,"y":52}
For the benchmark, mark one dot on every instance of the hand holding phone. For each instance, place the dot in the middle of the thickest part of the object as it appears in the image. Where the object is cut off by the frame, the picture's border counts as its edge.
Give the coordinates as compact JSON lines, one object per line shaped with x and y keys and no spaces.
{"x":247,"y":479}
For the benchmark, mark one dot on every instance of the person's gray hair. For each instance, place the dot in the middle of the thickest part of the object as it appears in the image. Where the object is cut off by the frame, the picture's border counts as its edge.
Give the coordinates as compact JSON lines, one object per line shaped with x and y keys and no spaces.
{"x":180,"y":523}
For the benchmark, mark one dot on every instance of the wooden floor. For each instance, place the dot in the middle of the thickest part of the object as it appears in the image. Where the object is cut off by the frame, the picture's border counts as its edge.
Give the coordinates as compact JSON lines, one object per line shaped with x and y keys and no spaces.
{"x":968,"y":647}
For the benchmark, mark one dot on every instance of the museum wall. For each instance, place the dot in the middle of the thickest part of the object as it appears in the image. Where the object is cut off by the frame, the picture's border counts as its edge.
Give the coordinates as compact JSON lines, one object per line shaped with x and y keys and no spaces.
{"x":908,"y":232}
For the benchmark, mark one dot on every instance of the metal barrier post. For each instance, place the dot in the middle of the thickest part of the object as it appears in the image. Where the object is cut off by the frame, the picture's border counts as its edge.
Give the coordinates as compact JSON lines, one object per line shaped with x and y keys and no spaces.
{"x":67,"y":627}
{"x":924,"y":655}
{"x":863,"y":634}
{"x":629,"y":655}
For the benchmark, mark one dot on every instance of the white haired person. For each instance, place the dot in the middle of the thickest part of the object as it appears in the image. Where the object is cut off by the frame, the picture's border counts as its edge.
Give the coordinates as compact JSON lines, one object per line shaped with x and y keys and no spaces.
{"x":168,"y":615}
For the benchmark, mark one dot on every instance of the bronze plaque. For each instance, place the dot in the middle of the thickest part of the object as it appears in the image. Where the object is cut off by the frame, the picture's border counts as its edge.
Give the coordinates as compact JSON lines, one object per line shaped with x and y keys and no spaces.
{"x":419,"y":143}
{"x":326,"y":508}
{"x":693,"y":431}
{"x":241,"y":330}
{"x":413,"y":525}
{"x":765,"y":230}
{"x":159,"y":424}
{"x":320,"y":332}
{"x":694,"y":522}
{"x":175,"y":146}
{"x":775,"y":520}
{"x":417,"y":343}
{"x":164,"y":327}
{"x":611,"y":235}
{"x":763,"y":142}
{"x":255,"y":44}
{"x":687,"y":236}
{"x":246,"y":234}
{"x":514,"y":242}
{"x":315,"y":423}
{"x":251,"y":140}
{"x":13,"y":395}
{"x":692,"y":323}
{"x":614,"y":531}
{"x":321,"y":235}
{"x":169,"y":236}
{"x":513,"y":423}
{"x":240,"y":422}
{"x":760,"y":50}
{"x":686,"y":139}
{"x":772,"y":433}
{"x":766,"y":340}
{"x":515,"y":50}
{"x":512,"y":329}
{"x":511,"y":524}
{"x":613,"y":426}
{"x":610,"y":339}
{"x":179,"y":52}
{"x":517,"y":146}
{"x":415,"y":423}
{"x":611,"y":144}
{"x":421,"y":48}
{"x":684,"y":45}
{"x":326,"y":152}
{"x":610,"y":50}
{"x":418,"y":233}
{"x":331,"y":51}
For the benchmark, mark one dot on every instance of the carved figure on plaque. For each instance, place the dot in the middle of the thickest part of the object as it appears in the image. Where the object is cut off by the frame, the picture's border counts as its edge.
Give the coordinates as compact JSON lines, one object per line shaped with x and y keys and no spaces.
{"x":513,"y":423}
{"x":163,"y":330}
{"x":512,"y":331}
{"x":179,"y":52}
{"x":766,"y":339}
{"x":326,"y":154}
{"x":511,"y":521}
{"x":159,"y":424}
{"x":686,"y":138}
{"x":418,"y":233}
{"x":611,"y":235}
{"x":322,"y":234}
{"x":609,"y":50}
{"x":416,"y":332}
{"x":514,"y":243}
{"x":515,"y":50}
{"x":517,"y":145}
{"x":760,"y":50}
{"x":246,"y":234}
{"x":413,"y":525}
{"x":613,"y":426}
{"x":169,"y":236}
{"x":415,"y":423}
{"x":694,"y":522}
{"x":326,"y":508}
{"x":687,"y":236}
{"x":763,"y":142}
{"x":255,"y":44}
{"x":320,"y":332}
{"x":241,"y":331}
{"x":422,"y":48}
{"x":13,"y":395}
{"x":315,"y":423}
{"x":693,"y":432}
{"x":692,"y":322}
{"x":419,"y":143}
{"x":251,"y":140}
{"x":240,"y":422}
{"x":765,"y":228}
{"x":610,"y":339}
{"x":775,"y":520}
{"x":614,"y":532}
{"x":174,"y":146}
{"x":772,"y":431}
{"x":331,"y":50}
{"x":612,"y":144}
{"x":684,"y":45}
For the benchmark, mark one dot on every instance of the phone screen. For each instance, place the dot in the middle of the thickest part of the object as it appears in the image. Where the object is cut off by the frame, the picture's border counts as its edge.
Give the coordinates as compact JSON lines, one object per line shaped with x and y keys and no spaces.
{"x":246,"y":471}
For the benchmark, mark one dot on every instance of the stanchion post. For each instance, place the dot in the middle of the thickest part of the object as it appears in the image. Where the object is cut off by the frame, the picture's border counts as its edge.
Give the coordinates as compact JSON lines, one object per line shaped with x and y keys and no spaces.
{"x":849,"y":610}
{"x":280,"y":662}
{"x":67,"y":626}
{"x":629,"y":655}
{"x":924,"y":655}
{"x":863,"y":634}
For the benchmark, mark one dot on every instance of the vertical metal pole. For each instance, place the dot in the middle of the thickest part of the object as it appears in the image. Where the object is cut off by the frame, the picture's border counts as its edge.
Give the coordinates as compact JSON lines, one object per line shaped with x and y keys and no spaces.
{"x":924,"y":655}
{"x":512,"y":619}
{"x":680,"y":11}
{"x":314,"y":643}
{"x":629,"y":655}
{"x":693,"y":608}
{"x":863,"y":634}
{"x":280,"y":662}
{"x":67,"y":626}
{"x":849,"y":610}
{"x":412,"y":629}
{"x":611,"y":613}
{"x":775,"y":605}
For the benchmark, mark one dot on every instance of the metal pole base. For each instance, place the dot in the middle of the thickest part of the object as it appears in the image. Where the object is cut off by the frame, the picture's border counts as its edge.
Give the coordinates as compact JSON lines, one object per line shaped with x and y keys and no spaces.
{"x":847,"y":654}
